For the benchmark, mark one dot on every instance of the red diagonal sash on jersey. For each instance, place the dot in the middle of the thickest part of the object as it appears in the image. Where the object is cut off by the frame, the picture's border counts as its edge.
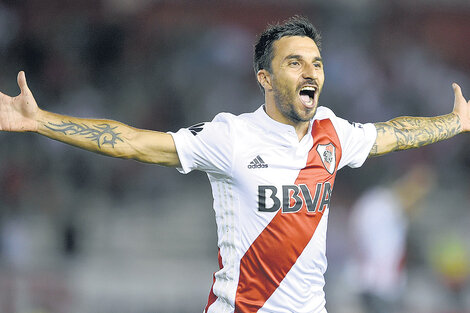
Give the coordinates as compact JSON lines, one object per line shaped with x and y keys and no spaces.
{"x":276,"y":249}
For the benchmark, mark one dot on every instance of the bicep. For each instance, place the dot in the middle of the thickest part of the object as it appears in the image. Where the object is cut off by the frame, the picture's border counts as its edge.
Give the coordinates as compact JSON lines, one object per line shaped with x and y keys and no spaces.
{"x":155,"y":147}
{"x":385,"y":141}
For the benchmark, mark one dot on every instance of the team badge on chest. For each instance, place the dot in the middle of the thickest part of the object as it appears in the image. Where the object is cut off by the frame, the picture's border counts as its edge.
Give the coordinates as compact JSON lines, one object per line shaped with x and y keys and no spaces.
{"x":328,"y":156}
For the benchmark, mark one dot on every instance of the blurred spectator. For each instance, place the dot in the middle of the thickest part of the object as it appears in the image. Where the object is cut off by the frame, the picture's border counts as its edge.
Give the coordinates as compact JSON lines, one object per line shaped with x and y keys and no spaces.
{"x":379,"y":229}
{"x":451,"y":262}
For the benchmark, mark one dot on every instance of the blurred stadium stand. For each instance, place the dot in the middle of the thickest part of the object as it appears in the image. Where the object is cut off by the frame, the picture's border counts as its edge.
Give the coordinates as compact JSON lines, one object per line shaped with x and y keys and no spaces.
{"x":89,"y":234}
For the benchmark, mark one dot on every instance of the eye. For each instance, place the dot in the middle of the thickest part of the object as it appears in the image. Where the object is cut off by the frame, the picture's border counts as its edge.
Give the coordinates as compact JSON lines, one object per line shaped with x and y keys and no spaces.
{"x":317,"y":65}
{"x":294,"y":63}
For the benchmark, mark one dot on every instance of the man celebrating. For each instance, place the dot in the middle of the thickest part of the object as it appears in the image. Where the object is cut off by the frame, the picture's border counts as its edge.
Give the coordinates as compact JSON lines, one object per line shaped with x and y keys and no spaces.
{"x":271,"y":171}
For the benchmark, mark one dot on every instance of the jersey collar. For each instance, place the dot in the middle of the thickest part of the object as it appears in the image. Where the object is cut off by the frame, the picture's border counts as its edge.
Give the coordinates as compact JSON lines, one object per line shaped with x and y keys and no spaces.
{"x":276,"y":126}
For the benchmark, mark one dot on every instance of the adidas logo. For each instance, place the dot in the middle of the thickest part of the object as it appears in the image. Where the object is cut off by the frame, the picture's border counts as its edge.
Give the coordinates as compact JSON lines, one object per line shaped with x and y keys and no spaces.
{"x":257,"y":163}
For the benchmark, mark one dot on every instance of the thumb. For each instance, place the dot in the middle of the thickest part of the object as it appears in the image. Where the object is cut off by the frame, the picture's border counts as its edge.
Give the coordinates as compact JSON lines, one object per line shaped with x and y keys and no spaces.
{"x":22,"y":82}
{"x":457,"y":91}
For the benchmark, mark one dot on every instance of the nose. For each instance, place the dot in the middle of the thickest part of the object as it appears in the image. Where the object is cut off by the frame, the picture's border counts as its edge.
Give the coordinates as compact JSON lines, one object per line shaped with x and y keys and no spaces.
{"x":309,"y":72}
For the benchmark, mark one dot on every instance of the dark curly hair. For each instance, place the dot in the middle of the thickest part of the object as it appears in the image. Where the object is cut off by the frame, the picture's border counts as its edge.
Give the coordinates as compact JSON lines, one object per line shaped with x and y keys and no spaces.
{"x":295,"y":26}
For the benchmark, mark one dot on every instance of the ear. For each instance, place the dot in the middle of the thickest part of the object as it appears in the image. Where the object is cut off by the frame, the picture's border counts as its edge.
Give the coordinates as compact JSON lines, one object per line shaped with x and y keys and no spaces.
{"x":264,"y":78}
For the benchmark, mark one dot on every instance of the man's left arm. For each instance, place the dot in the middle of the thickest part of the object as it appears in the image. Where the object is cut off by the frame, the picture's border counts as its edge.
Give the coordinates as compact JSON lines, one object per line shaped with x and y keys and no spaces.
{"x":407,"y":132}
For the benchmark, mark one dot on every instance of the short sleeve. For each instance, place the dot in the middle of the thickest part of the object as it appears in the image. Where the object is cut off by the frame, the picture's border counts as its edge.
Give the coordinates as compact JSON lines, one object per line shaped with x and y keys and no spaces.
{"x":206,"y":147}
{"x":356,"y":141}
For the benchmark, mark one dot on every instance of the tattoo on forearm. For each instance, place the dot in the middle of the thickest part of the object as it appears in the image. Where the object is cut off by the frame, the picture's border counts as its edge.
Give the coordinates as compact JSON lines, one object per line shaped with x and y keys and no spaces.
{"x":413,"y":132}
{"x":102,"y":134}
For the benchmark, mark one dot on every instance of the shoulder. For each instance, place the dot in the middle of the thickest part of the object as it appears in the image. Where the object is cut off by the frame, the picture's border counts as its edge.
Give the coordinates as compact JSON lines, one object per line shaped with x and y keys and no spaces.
{"x":323,"y":113}
{"x":220,"y":122}
{"x":325,"y":116}
{"x":224,"y":117}
{"x":242,"y":121}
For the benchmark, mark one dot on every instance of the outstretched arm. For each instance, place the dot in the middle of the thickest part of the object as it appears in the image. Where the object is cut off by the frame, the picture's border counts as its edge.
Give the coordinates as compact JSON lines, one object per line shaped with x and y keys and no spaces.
{"x":407,"y":132}
{"x":21,"y":114}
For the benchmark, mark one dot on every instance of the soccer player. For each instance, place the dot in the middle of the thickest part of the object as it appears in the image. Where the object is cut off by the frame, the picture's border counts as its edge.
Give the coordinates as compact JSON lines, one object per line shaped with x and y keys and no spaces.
{"x":271,"y":171}
{"x":379,"y":226}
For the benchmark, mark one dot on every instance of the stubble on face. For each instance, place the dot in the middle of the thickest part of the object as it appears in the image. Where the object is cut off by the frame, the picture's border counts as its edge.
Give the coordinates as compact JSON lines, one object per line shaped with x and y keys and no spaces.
{"x":284,"y":98}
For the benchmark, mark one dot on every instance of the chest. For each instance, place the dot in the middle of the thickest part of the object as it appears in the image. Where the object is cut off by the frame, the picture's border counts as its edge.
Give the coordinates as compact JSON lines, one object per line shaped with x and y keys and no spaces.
{"x":277,"y":172}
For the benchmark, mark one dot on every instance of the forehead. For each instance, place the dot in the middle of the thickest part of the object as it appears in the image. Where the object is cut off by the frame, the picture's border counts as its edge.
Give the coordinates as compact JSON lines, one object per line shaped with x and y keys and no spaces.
{"x":299,"y":45}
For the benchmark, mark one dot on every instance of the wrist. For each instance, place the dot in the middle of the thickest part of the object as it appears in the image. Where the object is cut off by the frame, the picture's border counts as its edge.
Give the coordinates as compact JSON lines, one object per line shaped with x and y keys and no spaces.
{"x":458,"y":122}
{"x":41,"y":119}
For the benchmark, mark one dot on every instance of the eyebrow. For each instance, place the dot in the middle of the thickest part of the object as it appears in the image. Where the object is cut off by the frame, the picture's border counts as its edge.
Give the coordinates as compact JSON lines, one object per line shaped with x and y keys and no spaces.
{"x":297,"y":56}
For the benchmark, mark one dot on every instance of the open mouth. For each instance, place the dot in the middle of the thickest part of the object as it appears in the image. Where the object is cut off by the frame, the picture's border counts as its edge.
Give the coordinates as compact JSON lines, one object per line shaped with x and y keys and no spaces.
{"x":307,"y":95}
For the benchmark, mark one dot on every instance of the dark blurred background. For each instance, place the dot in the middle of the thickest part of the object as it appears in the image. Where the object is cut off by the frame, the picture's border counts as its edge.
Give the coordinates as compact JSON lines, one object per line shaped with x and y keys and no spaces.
{"x":86,"y":233}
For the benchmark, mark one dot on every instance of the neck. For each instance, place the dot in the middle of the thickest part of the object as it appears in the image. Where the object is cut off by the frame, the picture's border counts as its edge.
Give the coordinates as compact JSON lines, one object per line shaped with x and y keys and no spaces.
{"x":300,"y":127}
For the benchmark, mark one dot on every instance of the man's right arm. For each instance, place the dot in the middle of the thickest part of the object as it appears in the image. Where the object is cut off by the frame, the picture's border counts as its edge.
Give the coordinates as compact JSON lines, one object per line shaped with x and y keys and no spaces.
{"x":106,"y":137}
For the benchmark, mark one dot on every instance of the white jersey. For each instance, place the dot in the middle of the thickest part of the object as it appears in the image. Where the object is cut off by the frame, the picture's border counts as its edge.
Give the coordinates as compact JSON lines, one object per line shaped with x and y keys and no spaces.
{"x":379,"y":228}
{"x":271,"y":201}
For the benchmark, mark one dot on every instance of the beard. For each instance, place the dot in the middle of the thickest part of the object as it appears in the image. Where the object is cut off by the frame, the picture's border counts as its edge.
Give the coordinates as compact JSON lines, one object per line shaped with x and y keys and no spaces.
{"x":285,"y":99}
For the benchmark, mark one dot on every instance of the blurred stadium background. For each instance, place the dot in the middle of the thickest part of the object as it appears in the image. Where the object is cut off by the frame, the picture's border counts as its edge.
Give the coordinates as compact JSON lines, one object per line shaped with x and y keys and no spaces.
{"x":86,"y":233}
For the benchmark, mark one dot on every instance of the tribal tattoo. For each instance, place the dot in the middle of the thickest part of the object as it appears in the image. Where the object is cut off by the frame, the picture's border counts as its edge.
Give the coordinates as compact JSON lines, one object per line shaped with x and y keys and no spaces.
{"x":413,"y":132}
{"x":102,"y":134}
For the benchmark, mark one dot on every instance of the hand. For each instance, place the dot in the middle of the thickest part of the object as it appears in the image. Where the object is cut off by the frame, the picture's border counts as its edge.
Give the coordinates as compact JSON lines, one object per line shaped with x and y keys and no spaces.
{"x":461,"y":108}
{"x":19,"y":113}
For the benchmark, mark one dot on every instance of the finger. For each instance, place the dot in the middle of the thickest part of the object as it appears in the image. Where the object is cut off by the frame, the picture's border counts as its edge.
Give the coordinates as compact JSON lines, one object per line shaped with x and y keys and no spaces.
{"x":22,"y":82}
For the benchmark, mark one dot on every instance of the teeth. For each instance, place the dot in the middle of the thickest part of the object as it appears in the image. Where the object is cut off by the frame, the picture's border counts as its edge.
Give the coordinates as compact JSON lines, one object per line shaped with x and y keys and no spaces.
{"x":309,"y":88}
